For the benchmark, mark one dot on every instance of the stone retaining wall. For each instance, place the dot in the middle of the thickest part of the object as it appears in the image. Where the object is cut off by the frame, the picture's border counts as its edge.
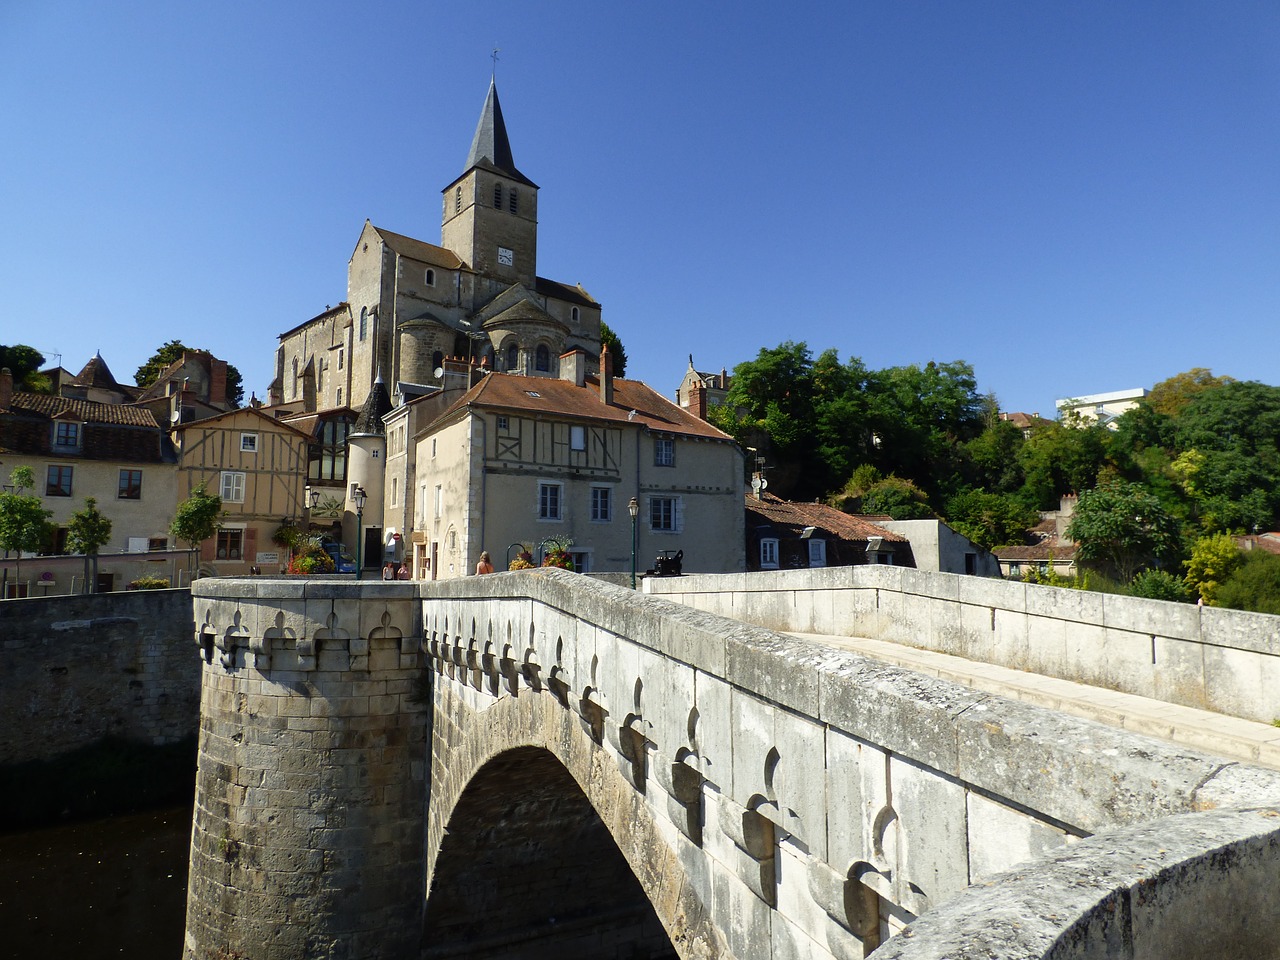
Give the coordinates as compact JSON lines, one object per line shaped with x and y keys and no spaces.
{"x":1227,"y":661}
{"x":74,"y":670}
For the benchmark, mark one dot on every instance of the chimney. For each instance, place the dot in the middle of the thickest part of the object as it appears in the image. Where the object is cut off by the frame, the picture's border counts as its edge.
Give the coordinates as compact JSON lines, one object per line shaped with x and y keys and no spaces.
{"x":217,"y":382}
{"x":606,"y":375}
{"x":573,"y":366}
{"x":6,"y":388}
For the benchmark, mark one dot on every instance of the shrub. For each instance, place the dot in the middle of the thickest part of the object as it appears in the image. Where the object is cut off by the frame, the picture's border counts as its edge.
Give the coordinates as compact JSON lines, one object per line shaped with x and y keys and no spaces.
{"x":1255,"y":585}
{"x":310,"y":557}
{"x":1160,"y":585}
{"x":148,"y":583}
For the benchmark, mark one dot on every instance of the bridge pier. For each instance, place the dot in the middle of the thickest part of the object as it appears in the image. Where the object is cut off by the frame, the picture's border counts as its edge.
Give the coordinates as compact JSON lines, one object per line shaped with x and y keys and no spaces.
{"x":310,"y":788}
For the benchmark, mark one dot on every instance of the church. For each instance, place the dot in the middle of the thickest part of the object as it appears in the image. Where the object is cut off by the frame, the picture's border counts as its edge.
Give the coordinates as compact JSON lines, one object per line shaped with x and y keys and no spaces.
{"x":411,"y":305}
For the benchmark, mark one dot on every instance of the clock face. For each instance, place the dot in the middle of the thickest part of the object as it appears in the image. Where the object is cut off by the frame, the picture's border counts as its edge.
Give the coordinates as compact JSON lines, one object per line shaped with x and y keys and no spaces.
{"x":505,"y":257}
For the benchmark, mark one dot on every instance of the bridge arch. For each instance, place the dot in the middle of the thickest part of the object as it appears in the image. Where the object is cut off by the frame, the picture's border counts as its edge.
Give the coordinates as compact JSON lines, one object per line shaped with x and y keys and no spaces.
{"x":537,"y":845}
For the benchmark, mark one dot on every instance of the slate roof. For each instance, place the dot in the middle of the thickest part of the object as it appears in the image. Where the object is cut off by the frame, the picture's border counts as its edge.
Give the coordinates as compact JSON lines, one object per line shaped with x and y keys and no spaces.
{"x":376,"y":406}
{"x":786,"y":516}
{"x":562,"y":291}
{"x":490,"y":147}
{"x":633,"y":402}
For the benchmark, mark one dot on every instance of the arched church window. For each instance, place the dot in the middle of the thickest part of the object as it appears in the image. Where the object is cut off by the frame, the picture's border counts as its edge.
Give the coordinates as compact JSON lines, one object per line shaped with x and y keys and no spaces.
{"x":513,"y":201}
{"x":364,"y":321}
{"x":574,"y":313}
{"x":431,"y":277}
{"x":513,"y":356}
{"x":543,"y":362}
{"x":497,"y":196}
{"x":437,"y":360}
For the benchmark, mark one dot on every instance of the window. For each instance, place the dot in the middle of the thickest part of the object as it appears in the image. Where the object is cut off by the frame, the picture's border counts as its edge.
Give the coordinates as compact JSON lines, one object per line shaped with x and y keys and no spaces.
{"x":577,"y":438}
{"x":130,"y":485}
{"x":817,"y":553}
{"x":513,"y":201}
{"x":431,"y":277}
{"x":437,"y":361}
{"x":439,"y":500}
{"x":549,"y":501}
{"x":581,"y":561}
{"x":395,"y":491}
{"x":513,"y":356}
{"x":232,"y":487}
{"x":230,"y":544}
{"x":664,"y":514}
{"x":503,"y":423}
{"x":497,"y":196}
{"x":601,"y":504}
{"x":339,"y":396}
{"x":364,"y":321}
{"x":58,"y":482}
{"x":248,"y":443}
{"x":543,"y":361}
{"x":574,"y":314}
{"x":157,"y":543}
{"x":66,"y":435}
{"x":328,"y":457}
{"x":457,"y":200}
{"x":339,"y":358}
{"x":664,"y":452}
{"x":769,"y":554}
{"x":433,"y":448}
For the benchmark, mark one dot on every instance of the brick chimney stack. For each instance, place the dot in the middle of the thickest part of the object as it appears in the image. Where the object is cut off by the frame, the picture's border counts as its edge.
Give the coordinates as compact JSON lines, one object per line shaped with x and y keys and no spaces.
{"x":606,"y":374}
{"x":217,"y":382}
{"x":6,"y":388}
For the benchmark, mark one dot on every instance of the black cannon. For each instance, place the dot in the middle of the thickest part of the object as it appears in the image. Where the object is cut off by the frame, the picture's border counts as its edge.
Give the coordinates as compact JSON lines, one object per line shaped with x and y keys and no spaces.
{"x":668,"y":563}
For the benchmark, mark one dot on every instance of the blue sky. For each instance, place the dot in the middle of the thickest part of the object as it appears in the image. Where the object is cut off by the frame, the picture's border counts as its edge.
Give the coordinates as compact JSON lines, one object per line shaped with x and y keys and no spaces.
{"x":1075,"y":197}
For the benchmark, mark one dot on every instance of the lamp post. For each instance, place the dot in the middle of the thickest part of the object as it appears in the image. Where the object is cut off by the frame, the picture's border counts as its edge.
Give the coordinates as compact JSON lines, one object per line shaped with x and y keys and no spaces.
{"x":633,"y":508}
{"x":359,"y":498}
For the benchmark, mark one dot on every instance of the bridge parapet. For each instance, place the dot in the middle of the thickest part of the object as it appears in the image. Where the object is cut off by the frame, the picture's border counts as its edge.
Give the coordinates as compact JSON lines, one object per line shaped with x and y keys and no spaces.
{"x":1227,"y":661}
{"x":819,"y":798}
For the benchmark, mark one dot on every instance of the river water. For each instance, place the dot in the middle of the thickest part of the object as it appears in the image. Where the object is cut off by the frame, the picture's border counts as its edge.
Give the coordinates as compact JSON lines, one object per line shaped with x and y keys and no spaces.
{"x":115,"y":887}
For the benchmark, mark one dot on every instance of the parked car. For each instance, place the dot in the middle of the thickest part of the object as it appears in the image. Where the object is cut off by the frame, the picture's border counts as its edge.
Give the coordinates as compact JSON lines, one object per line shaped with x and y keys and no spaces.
{"x":343,"y":562}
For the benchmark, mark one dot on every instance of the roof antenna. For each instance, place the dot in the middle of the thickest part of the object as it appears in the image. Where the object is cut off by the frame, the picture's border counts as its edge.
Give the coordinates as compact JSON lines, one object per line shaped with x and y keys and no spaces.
{"x":494,"y":57}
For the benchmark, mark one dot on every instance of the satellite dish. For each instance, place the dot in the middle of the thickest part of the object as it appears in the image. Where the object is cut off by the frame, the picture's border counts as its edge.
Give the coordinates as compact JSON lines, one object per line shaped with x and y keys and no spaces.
{"x":438,"y":372}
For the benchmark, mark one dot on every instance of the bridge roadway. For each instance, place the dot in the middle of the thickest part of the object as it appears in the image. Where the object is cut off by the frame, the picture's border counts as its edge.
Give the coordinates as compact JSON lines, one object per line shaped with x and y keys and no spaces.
{"x":1247,"y":740}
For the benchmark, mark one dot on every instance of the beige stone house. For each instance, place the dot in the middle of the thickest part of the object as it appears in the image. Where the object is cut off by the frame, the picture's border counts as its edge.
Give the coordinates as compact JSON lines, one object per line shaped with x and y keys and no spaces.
{"x":80,"y":448}
{"x":258,"y":466}
{"x":412,"y":305}
{"x":519,"y":463}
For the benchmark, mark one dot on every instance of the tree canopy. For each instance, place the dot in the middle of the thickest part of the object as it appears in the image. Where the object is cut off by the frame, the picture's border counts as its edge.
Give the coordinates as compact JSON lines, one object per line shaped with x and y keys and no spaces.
{"x":1124,"y":526}
{"x":24,"y":363}
{"x":197,"y":517}
{"x":172,"y":350}
{"x":616,"y":350}
{"x":24,"y":522}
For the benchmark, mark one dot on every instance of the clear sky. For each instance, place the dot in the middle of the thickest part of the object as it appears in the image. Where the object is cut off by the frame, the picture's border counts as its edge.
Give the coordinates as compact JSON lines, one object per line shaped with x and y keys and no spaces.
{"x":1075,"y":197}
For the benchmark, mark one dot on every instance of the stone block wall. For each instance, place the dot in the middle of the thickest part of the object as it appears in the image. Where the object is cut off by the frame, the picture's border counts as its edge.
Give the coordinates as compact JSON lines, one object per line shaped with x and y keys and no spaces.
{"x":308,"y":828}
{"x":1227,"y":661}
{"x":74,"y":670}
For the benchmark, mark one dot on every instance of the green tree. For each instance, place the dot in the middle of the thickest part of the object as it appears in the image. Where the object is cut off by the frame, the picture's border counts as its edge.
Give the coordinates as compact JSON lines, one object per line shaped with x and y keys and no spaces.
{"x":1212,"y":562}
{"x":1255,"y":585}
{"x":616,"y":350}
{"x":197,"y":519}
{"x":1169,"y":397}
{"x":24,"y":363}
{"x":898,"y":498}
{"x":990,"y":519}
{"x":172,"y":350}
{"x":993,"y":458}
{"x":87,"y":531}
{"x":1160,"y":585}
{"x":24,"y":522}
{"x":1123,"y":526}
{"x":1061,"y":458}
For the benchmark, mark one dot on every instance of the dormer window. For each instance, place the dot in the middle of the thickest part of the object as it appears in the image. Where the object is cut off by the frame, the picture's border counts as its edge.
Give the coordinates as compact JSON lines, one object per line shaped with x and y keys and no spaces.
{"x":66,"y":436}
{"x":513,"y":201}
{"x":497,"y":196}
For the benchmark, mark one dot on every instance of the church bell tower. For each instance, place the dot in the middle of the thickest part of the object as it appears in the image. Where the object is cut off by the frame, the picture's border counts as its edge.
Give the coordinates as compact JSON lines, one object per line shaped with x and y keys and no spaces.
{"x":491,"y":211}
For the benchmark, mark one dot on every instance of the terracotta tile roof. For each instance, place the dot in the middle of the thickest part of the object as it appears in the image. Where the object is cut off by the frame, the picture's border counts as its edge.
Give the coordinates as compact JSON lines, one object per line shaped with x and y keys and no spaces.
{"x":242,"y":411}
{"x":633,"y":402}
{"x":783,"y":514}
{"x":112,"y":431}
{"x":87,"y":411}
{"x":420,"y":250}
{"x":1039,"y":551}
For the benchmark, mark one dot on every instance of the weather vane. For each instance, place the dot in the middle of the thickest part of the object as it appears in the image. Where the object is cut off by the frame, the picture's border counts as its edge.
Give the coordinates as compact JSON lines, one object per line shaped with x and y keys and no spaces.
{"x":494,"y":57}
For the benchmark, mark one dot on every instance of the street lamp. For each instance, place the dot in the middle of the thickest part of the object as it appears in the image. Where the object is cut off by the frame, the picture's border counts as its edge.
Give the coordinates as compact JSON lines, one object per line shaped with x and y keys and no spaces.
{"x":633,"y":508}
{"x":313,"y":497}
{"x":359,"y":498}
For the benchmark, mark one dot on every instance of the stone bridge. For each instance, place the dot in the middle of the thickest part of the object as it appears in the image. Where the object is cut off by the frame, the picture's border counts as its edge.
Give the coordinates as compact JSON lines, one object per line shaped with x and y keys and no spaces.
{"x":539,"y":764}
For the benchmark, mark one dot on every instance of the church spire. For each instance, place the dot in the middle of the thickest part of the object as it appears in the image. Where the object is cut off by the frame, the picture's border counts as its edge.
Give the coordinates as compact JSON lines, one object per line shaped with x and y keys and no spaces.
{"x":490,"y":147}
